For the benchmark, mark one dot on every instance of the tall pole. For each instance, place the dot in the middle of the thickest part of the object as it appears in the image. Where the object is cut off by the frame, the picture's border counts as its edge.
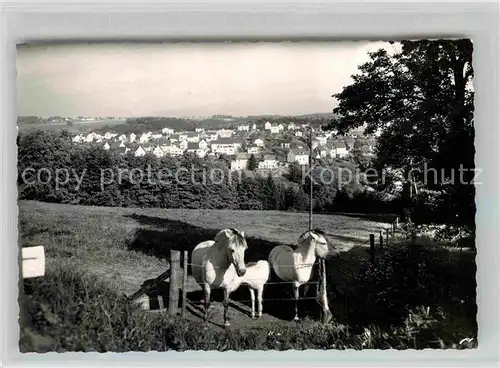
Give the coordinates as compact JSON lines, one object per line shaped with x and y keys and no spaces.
{"x":310,"y":177}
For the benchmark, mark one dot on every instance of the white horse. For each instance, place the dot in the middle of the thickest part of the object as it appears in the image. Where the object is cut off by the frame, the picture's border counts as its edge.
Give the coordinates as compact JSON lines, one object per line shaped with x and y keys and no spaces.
{"x":255,"y":278}
{"x":296,"y":264}
{"x":216,"y":263}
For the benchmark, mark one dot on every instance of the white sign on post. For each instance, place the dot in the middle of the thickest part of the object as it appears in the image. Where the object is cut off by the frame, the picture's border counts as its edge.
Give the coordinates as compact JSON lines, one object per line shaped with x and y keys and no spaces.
{"x":33,"y":262}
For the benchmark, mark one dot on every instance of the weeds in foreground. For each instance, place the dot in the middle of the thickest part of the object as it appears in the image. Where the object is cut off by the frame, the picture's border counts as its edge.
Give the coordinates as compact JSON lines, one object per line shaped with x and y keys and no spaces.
{"x":69,"y":310}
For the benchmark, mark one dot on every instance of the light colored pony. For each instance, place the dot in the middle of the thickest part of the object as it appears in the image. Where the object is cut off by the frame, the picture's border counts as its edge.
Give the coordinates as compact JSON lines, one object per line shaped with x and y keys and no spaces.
{"x":255,"y":278}
{"x":296,"y":264}
{"x":216,"y":263}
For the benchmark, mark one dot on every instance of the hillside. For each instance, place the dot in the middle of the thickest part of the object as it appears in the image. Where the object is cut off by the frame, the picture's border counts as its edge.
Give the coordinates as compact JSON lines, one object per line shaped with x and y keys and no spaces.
{"x":97,"y":255}
{"x":127,"y":246}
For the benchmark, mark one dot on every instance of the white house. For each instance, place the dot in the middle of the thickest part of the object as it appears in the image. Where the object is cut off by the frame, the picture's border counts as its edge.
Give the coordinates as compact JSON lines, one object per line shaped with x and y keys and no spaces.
{"x":322,"y":139}
{"x":174,"y":138}
{"x":243,"y":128}
{"x":123,"y":150}
{"x":281,"y":127}
{"x":285,"y":145}
{"x":211,"y":135}
{"x":320,"y":152}
{"x":291,"y":126}
{"x":183,"y":145}
{"x":132,"y":137}
{"x":147,"y":147}
{"x":269,"y":162}
{"x":183,"y":136}
{"x":298,"y":133}
{"x":158,"y":152}
{"x":122,"y":138}
{"x":192,"y":137}
{"x":172,"y":150}
{"x":275,"y":129}
{"x":109,"y":135}
{"x":315,"y":143}
{"x":167,"y":131}
{"x":349,"y":142}
{"x":254,"y":126}
{"x":156,"y":136}
{"x":259,"y":142}
{"x":339,"y":150}
{"x":106,"y":146}
{"x":199,"y":130}
{"x":195,"y":148}
{"x":139,"y":152}
{"x":240,"y":162}
{"x":78,"y":138}
{"x":227,"y":146}
{"x":144,"y":138}
{"x":225,"y":133}
{"x":253,"y":150}
{"x":203,"y":144}
{"x":122,"y":144}
{"x":89,"y":138}
{"x":301,"y":156}
{"x":267,"y":126}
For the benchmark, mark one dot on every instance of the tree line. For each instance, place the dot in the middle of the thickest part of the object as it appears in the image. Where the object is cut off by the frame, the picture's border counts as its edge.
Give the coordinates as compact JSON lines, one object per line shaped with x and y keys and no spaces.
{"x":51,"y":168}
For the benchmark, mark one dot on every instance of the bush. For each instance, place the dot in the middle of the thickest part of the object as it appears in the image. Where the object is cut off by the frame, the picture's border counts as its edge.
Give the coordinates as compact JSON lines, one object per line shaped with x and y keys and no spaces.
{"x":411,"y":273}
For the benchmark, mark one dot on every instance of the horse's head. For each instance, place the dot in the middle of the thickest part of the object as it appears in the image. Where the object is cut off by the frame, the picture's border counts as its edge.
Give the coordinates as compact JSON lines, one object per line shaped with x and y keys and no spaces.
{"x":317,"y":239}
{"x":235,"y":246}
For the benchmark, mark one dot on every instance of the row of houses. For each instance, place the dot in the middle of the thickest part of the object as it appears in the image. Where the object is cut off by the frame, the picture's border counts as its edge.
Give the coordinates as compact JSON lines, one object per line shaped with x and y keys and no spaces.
{"x":266,"y":161}
{"x":166,"y":133}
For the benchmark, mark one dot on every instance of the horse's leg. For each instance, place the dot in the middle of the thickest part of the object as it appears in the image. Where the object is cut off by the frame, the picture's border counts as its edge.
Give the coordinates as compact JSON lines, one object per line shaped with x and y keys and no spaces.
{"x":226,"y":307}
{"x":207,"y":290}
{"x":252,"y":300}
{"x":260,"y":291}
{"x":296,"y":295}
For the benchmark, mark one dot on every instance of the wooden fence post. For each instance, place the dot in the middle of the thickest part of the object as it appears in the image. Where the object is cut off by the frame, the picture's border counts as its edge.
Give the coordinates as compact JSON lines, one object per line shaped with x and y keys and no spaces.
{"x":381,"y":239}
{"x":173,"y":295}
{"x":184,"y":284}
{"x":372,"y":247}
{"x":327,"y":314}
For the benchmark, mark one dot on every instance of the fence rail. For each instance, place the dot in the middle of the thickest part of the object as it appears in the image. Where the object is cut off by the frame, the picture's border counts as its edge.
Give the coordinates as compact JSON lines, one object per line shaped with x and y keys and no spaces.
{"x":179,"y":281}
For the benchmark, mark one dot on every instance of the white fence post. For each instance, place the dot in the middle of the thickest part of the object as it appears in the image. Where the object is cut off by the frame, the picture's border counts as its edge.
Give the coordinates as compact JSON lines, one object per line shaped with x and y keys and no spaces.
{"x":33,"y":262}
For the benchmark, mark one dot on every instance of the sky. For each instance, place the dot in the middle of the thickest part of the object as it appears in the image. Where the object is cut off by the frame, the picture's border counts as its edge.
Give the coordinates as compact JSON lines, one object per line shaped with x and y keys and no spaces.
{"x":185,"y":79}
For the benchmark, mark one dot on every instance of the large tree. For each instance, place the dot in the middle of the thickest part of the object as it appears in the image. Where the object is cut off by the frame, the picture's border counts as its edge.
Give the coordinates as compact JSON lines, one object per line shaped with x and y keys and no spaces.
{"x":420,"y":99}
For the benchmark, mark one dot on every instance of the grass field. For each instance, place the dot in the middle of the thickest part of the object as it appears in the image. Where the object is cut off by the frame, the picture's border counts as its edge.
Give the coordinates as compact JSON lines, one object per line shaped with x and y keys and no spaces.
{"x":96,"y":255}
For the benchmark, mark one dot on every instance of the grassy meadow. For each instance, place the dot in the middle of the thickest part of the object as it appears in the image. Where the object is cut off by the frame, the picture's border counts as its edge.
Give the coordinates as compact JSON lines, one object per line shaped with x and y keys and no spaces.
{"x":98,"y":255}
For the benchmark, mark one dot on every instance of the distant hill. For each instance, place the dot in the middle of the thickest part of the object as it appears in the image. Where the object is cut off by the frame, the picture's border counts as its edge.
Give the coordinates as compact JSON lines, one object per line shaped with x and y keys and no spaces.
{"x":319,"y":115}
{"x":156,"y":123}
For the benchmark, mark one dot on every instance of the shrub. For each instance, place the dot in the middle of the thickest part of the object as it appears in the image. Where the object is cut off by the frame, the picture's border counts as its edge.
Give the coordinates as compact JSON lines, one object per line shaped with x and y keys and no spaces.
{"x":410,"y":273}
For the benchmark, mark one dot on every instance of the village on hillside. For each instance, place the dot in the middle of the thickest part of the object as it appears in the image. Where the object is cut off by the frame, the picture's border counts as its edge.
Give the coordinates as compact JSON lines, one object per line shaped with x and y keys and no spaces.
{"x":274,"y":146}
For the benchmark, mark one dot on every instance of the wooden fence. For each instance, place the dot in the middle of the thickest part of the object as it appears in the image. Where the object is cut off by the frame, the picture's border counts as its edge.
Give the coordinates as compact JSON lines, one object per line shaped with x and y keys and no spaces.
{"x":388,"y":234}
{"x":178,"y":274}
{"x":176,"y":301}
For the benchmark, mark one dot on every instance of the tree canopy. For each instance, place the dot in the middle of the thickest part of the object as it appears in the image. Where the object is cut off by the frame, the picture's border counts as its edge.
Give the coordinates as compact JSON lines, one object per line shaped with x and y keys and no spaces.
{"x":421,"y":100}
